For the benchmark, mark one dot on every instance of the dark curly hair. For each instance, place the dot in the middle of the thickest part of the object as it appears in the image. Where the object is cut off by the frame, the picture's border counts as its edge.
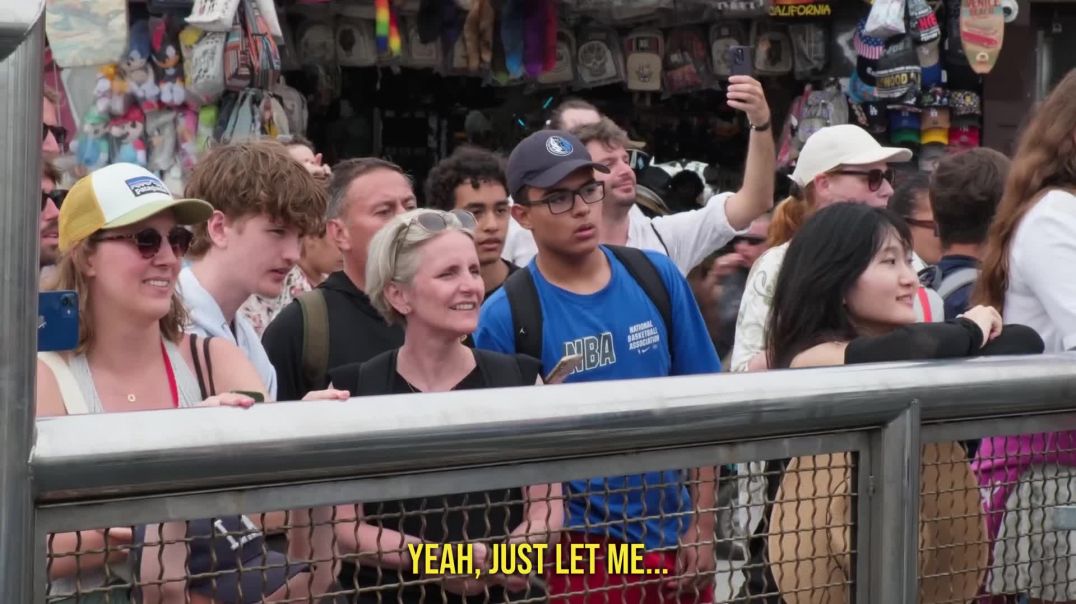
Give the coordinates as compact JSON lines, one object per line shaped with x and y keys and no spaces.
{"x":469,"y":165}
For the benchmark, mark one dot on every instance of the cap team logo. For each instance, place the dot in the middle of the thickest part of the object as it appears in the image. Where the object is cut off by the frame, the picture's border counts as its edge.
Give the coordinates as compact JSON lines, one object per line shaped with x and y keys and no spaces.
{"x":558,"y":146}
{"x":144,"y":185}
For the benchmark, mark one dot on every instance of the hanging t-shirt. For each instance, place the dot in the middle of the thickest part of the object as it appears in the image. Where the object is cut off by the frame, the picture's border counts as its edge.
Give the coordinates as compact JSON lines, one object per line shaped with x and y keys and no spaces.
{"x":621,"y":335}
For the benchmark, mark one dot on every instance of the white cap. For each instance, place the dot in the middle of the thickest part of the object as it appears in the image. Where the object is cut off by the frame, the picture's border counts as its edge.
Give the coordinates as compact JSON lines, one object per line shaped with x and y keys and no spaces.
{"x":843,"y":145}
{"x":119,"y":195}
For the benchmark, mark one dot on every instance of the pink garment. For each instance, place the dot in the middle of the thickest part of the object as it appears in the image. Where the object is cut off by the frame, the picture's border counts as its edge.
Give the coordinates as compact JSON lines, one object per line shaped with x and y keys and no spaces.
{"x":1002,"y":459}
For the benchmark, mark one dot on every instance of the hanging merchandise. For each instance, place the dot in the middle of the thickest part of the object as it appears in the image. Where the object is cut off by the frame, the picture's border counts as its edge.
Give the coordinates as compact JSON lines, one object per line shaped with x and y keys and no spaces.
{"x":724,"y":36}
{"x":644,"y":50}
{"x":822,"y":108}
{"x":203,"y":65}
{"x":262,"y":46}
{"x":599,"y":59}
{"x":478,"y":34}
{"x":237,"y":63}
{"x":355,"y":43}
{"x":214,"y":15}
{"x":686,"y":67}
{"x":187,"y":139}
{"x":899,"y":74}
{"x":167,"y":62}
{"x":810,"y":49}
{"x":512,"y":27}
{"x":86,"y":34}
{"x":419,"y":54}
{"x":208,"y":118}
{"x":773,"y":49}
{"x":295,"y":107}
{"x":982,"y":32}
{"x":93,"y":149}
{"x":723,"y":10}
{"x":127,"y":137}
{"x":161,"y":140}
{"x":563,"y":71}
{"x":170,"y":6}
{"x":886,"y":19}
{"x":388,"y":32}
{"x":317,"y":41}
{"x":137,"y":70}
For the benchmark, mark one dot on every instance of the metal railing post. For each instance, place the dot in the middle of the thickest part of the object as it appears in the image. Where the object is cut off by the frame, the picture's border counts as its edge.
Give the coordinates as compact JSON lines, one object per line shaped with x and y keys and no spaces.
{"x":890,"y":561}
{"x":20,"y":148}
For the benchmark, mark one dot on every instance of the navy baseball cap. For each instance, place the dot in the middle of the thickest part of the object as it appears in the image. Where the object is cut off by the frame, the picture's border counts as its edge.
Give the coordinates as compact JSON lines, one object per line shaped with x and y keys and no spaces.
{"x":545,"y":158}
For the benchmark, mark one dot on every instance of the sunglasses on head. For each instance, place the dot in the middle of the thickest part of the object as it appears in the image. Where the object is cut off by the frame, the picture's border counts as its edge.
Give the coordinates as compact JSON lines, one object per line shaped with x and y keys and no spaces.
{"x":57,"y":197}
{"x":58,"y":132}
{"x":875,"y":177}
{"x":434,"y":221}
{"x":148,"y":241}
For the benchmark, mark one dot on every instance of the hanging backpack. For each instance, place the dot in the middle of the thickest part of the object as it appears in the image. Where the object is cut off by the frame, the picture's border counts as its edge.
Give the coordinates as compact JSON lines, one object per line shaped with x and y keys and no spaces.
{"x":262,"y":45}
{"x":527,"y":308}
{"x":237,"y":62}
{"x":295,"y":107}
{"x":86,"y":34}
{"x":214,"y":15}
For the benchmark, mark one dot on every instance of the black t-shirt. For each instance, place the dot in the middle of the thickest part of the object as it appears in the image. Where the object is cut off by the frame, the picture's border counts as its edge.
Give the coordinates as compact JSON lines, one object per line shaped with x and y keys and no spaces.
{"x":479,"y":515}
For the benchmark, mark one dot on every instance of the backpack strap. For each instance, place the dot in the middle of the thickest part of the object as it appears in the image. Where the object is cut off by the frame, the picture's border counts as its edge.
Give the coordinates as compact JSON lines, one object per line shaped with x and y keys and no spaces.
{"x":375,"y":375}
{"x":205,"y":378}
{"x":956,"y":280}
{"x":646,"y":274}
{"x":526,"y":312}
{"x":315,"y":337}
{"x":660,"y":238}
{"x":74,"y":402}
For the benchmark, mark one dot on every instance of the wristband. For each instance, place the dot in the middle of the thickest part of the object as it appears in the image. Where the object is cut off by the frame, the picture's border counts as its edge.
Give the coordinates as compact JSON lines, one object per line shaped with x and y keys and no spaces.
{"x":760,"y":127}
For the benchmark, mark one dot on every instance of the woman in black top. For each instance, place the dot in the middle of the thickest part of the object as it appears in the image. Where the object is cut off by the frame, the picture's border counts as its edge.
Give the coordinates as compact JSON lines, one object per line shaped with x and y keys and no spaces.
{"x":845,"y":295}
{"x":423,"y":272}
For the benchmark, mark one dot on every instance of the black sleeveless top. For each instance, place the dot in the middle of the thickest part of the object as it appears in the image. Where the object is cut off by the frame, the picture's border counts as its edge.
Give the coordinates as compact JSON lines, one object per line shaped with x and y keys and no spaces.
{"x":479,"y":515}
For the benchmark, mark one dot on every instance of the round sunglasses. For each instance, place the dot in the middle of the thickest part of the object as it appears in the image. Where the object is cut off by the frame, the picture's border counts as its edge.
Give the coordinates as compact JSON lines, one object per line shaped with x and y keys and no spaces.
{"x":148,"y":241}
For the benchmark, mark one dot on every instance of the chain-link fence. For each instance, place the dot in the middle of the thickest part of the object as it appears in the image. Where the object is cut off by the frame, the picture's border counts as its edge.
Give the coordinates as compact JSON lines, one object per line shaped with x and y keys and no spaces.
{"x":652,"y":499}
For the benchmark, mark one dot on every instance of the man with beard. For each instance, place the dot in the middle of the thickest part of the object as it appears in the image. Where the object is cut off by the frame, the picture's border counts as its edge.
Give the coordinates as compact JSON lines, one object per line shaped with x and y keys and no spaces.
{"x":47,"y":226}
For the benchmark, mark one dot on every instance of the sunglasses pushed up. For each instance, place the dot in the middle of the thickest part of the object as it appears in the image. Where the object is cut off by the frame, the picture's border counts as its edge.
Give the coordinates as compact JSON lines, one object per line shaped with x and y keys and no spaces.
{"x":434,"y":221}
{"x":148,"y":241}
{"x":874,"y":177}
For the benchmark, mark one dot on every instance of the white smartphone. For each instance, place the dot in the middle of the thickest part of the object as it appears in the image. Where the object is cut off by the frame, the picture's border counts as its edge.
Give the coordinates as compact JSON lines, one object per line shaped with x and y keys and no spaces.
{"x":563,"y":369}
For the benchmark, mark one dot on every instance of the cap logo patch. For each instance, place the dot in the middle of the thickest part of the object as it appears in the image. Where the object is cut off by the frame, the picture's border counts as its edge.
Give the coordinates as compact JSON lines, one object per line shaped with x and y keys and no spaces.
{"x":144,"y":185}
{"x":558,"y":146}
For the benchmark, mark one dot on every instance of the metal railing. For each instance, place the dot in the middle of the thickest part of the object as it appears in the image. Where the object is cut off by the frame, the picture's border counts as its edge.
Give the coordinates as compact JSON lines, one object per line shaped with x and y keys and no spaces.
{"x":141,"y":469}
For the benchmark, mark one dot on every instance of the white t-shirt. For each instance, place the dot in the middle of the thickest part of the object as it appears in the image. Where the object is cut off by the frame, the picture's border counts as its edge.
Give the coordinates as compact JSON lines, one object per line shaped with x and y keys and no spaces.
{"x":207,"y":320}
{"x":1042,"y":281}
{"x":686,"y":237}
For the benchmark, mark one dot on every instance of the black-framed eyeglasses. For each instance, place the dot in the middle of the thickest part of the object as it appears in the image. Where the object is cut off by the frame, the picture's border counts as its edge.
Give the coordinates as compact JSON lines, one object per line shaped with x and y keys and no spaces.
{"x":58,"y":132}
{"x":148,"y":241}
{"x":563,"y":201}
{"x":57,"y":197}
{"x":433,"y":221}
{"x":638,"y":159}
{"x":874,"y":177}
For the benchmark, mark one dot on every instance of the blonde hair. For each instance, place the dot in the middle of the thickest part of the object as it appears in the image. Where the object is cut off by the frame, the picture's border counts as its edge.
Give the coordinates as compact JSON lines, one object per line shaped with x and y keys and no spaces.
{"x":68,"y":276}
{"x":394,"y":257}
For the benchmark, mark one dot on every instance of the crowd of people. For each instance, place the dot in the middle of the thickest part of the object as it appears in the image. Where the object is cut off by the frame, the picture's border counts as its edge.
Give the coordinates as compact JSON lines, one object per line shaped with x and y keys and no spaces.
{"x":275,"y":277}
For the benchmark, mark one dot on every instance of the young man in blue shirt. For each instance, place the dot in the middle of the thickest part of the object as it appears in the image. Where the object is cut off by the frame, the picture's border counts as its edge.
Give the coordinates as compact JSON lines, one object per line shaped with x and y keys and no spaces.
{"x":592,"y":304}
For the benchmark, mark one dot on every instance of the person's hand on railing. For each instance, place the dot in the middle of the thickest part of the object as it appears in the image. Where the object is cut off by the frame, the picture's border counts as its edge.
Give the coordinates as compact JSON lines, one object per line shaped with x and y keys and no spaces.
{"x":228,"y":399}
{"x":329,"y":394}
{"x":988,"y":319}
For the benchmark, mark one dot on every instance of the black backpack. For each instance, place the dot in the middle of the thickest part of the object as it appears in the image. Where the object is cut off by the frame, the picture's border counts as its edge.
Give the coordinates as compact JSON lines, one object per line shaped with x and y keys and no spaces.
{"x":527,"y":309}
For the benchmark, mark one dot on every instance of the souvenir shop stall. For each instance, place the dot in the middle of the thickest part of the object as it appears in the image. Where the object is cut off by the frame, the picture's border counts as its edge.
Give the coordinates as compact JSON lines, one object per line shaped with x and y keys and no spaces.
{"x":157,"y":82}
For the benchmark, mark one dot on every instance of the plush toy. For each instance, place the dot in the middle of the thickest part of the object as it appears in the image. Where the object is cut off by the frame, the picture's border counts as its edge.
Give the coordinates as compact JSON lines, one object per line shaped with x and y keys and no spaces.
{"x":207,"y":122}
{"x":92,"y":148}
{"x":136,"y":68}
{"x":128,"y":144}
{"x":187,"y":138}
{"x":111,"y":91}
{"x":167,"y":63}
{"x":161,"y":139}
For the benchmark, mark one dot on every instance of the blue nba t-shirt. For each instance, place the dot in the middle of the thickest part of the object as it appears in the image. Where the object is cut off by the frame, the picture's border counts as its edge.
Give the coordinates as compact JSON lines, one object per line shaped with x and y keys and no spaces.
{"x":621,"y":334}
